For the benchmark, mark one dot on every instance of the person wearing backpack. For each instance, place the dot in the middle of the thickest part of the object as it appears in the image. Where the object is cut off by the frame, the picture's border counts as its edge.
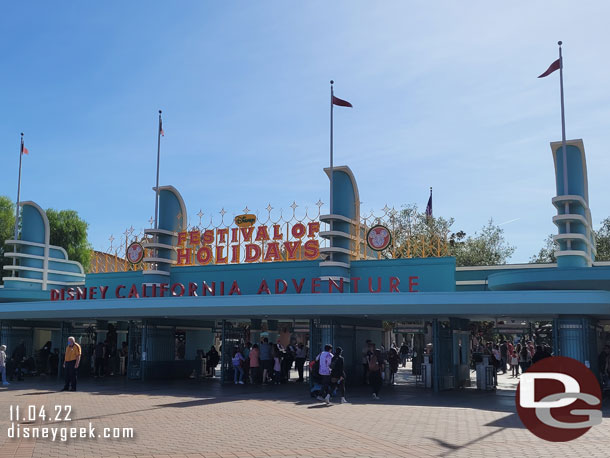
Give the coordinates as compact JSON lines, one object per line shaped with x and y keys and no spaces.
{"x":337,"y":374}
{"x":325,"y":359}
{"x":375,"y":367}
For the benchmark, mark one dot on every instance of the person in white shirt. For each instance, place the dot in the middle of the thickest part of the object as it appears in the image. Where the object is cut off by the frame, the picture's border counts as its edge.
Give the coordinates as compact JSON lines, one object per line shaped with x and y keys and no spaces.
{"x":3,"y":364}
{"x":325,"y":359}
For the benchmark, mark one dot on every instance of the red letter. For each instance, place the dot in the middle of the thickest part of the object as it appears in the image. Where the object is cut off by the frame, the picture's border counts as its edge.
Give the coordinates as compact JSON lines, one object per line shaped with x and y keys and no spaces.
{"x":54,"y":294}
{"x":298,"y":288}
{"x":208,"y":237}
{"x":277,"y":235}
{"x":81,"y":293}
{"x":92,"y":292}
{"x":279,"y":282}
{"x":315,"y":284}
{"x":211,"y":290}
{"x":394,"y":282}
{"x":194,"y":238}
{"x":182,"y":238}
{"x":355,"y":281}
{"x":298,"y":230}
{"x":220,"y":259}
{"x":332,"y":282}
{"x":314,"y":227}
{"x":192,"y":289}
{"x":103,"y":290}
{"x":371,"y":285}
{"x":234,"y":233}
{"x":117,"y":290}
{"x":312,"y":250}
{"x":273,"y":252}
{"x":222,"y":234}
{"x":246,"y":233}
{"x":261,"y":234}
{"x":162,"y":289}
{"x":235,"y":253}
{"x":184,"y":256}
{"x":180,"y":286}
{"x":204,"y":255}
{"x":234,"y":289}
{"x":263,"y":288}
{"x":292,"y":248}
{"x":253,"y":252}
{"x":412,"y":284}
{"x":133,"y":292}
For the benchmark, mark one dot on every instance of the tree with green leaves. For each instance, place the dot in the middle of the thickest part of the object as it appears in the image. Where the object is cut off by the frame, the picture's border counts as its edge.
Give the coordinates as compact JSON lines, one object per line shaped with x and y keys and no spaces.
{"x":417,"y":234}
{"x":69,"y":231}
{"x":546,"y":254}
{"x":602,"y":246}
{"x":7,"y":231}
{"x":485,"y":248}
{"x":602,"y":241}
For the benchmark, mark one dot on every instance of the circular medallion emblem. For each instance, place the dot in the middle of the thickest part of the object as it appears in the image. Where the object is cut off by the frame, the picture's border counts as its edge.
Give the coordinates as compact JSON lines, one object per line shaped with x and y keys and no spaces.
{"x":559,"y":399}
{"x":378,"y":237}
{"x":135,"y":252}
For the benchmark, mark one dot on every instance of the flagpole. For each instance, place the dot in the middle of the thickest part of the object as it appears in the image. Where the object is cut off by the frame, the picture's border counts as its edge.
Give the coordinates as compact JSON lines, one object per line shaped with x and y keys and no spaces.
{"x":157,"y":186}
{"x":563,"y":125}
{"x":331,"y":148}
{"x":563,"y":144}
{"x":331,"y":160}
{"x":18,"y":199}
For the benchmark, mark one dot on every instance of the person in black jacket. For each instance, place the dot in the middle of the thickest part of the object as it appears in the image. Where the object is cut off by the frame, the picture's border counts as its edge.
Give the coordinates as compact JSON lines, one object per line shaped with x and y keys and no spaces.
{"x":337,"y":374}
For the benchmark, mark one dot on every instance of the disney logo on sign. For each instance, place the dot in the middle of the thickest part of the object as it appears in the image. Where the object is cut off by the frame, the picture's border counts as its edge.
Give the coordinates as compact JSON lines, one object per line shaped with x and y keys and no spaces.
{"x":245,"y":220}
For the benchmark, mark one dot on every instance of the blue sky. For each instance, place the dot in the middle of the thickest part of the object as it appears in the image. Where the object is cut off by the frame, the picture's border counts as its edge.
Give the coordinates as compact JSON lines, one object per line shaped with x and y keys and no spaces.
{"x":445,"y":94}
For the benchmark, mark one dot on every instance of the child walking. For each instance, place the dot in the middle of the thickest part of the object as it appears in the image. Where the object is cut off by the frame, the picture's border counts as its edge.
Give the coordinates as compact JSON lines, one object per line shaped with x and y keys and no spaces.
{"x":514,"y":364}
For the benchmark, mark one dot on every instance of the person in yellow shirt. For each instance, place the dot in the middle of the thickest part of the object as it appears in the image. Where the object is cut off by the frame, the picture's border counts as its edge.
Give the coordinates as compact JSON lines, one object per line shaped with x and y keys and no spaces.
{"x":71,"y":362}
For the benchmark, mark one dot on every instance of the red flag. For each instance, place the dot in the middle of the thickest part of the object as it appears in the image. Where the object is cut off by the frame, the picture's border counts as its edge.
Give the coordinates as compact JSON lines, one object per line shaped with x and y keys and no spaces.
{"x":161,"y":131}
{"x":340,"y":102}
{"x":554,"y":66}
{"x":25,"y":150}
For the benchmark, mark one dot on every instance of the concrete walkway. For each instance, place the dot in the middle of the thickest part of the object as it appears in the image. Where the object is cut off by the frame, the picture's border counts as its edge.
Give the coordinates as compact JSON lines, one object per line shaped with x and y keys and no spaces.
{"x":202,"y":418}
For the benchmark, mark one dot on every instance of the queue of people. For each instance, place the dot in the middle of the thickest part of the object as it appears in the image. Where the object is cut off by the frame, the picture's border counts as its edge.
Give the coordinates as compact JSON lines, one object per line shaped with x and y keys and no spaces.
{"x":263,"y":363}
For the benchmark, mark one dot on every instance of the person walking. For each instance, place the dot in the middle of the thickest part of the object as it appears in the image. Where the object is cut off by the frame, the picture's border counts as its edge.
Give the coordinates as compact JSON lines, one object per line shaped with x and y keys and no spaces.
{"x":277,"y":365}
{"x":503,"y":356}
{"x":393,"y":361}
{"x":325,"y":359}
{"x":266,"y":359}
{"x":404,"y":353}
{"x":3,"y":365}
{"x":300,"y":357}
{"x":71,"y":362}
{"x":212,"y":357}
{"x":337,"y":374}
{"x":238,"y":362}
{"x":375,"y":369}
{"x":525,"y":360}
{"x":514,"y":364}
{"x":253,"y":357}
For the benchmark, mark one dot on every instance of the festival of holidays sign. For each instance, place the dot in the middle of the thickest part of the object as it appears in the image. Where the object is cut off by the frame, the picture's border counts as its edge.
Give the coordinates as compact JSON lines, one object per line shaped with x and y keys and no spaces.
{"x":249,"y":243}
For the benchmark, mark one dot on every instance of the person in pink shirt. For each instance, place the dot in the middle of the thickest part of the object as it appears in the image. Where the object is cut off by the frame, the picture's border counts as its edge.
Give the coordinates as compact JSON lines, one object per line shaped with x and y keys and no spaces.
{"x":254,"y":364}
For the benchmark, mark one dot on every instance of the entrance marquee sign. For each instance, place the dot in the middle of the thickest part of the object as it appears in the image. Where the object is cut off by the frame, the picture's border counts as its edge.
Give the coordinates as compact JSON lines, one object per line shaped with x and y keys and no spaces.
{"x":314,"y":285}
{"x":248,"y":243}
